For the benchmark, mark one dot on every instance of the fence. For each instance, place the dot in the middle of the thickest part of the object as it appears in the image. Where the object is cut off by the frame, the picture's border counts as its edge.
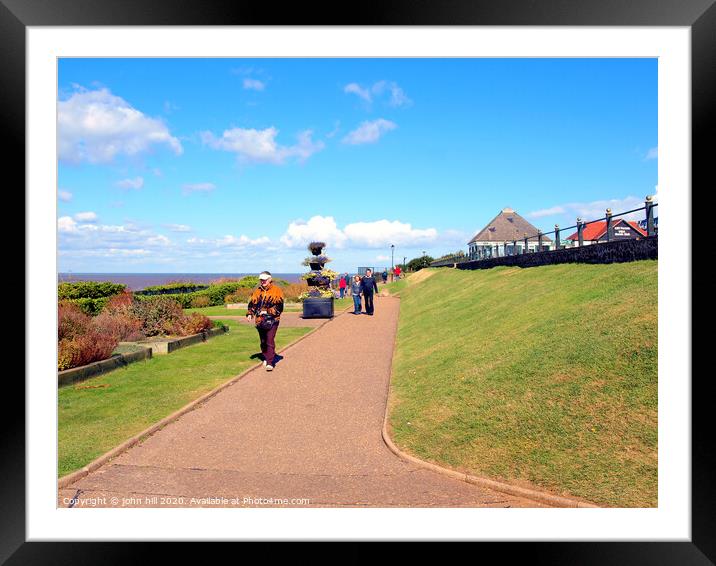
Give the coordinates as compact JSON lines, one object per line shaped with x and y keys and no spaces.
{"x":510,"y":248}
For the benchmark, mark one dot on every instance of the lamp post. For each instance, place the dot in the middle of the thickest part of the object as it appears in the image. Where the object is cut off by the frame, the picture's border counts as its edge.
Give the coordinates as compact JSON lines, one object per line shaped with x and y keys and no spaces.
{"x":392,"y":250}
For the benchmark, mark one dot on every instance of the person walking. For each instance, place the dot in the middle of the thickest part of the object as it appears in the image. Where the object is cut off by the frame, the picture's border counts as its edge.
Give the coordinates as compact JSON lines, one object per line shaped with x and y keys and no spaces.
{"x":384,"y":275}
{"x":342,"y":286}
{"x":397,"y":272}
{"x":265,"y":308}
{"x":356,"y":289}
{"x":368,"y":286}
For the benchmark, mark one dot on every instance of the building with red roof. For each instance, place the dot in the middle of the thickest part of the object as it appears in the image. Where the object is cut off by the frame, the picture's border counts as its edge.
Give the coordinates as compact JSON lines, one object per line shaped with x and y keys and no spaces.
{"x":596,"y":232}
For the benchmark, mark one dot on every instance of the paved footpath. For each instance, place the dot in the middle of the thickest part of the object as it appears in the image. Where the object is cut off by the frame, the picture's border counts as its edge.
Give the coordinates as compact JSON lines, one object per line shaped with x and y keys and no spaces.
{"x":309,"y":430}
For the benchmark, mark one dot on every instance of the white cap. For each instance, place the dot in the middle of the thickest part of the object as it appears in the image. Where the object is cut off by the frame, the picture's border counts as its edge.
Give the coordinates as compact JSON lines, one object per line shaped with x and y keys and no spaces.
{"x":265,"y":275}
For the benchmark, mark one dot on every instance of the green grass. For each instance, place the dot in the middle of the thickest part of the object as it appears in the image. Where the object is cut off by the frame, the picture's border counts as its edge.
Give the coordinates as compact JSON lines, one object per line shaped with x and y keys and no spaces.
{"x":93,"y":420}
{"x":221,"y":310}
{"x":544,"y":376}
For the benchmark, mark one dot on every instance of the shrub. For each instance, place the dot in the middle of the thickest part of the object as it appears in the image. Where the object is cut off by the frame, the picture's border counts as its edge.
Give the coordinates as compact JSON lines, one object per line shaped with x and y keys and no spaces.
{"x":191,"y":324}
{"x":88,"y":289}
{"x":183,"y":299}
{"x":174,"y":288}
{"x":216,"y":293}
{"x":84,"y":349}
{"x":200,"y":302}
{"x":119,"y":303}
{"x":71,"y":321}
{"x":88,"y":305}
{"x":158,"y":316}
{"x":239,"y":296}
{"x":293,"y":290}
{"x":120,"y":325}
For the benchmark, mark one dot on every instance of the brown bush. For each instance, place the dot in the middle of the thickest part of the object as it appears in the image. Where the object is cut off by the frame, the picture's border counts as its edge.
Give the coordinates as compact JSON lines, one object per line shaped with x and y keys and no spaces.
{"x":200,"y":302}
{"x":119,"y":325}
{"x":84,"y":349}
{"x":192,"y":324}
{"x":293,"y":290}
{"x":158,"y":316}
{"x":71,"y":321}
{"x":119,"y":303}
{"x":241,"y":295}
{"x":222,"y":280}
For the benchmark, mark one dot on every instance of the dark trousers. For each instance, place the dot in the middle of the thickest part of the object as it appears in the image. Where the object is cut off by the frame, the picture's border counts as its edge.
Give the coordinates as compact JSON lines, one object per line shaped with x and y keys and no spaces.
{"x":368,"y":298}
{"x":268,"y":343}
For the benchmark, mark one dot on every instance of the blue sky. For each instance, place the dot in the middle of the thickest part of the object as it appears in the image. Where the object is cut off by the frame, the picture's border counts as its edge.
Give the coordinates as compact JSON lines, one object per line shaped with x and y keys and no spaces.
{"x":233,"y":165}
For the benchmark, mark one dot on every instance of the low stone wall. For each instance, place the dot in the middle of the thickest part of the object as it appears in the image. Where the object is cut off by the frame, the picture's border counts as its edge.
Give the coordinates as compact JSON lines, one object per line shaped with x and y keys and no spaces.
{"x":619,"y":251}
{"x":167,"y":346}
{"x":75,"y":375}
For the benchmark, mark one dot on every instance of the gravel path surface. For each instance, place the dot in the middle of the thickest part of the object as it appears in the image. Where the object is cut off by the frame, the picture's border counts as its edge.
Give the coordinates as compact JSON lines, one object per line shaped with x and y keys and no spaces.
{"x":307,"y":434}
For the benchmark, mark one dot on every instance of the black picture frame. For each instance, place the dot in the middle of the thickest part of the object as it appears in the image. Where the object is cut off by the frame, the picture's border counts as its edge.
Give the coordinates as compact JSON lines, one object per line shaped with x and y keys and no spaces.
{"x":699,"y":15}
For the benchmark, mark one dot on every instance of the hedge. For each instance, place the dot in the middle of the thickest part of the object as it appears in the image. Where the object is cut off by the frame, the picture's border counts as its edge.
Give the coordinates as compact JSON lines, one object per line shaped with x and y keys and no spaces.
{"x":88,"y":289}
{"x":89,"y":306}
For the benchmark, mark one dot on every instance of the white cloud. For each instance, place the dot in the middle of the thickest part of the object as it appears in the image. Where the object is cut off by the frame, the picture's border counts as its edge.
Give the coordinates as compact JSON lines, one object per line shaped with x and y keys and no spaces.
{"x":86,"y":217}
{"x":96,"y":126}
{"x":197,"y":188}
{"x":136,"y":183}
{"x":594,"y":210}
{"x":653,"y":153}
{"x":159,"y":239}
{"x":369,"y":132}
{"x":382,"y":233}
{"x":335,"y":130}
{"x":319,"y":228}
{"x":230,"y":241}
{"x":547,"y":212}
{"x":355,"y":88}
{"x":378,"y":234}
{"x":64,"y":196}
{"x":397,"y":96}
{"x":382,"y":257}
{"x":260,"y":146}
{"x":66,"y":224}
{"x":254,"y":84}
{"x":178,"y":227}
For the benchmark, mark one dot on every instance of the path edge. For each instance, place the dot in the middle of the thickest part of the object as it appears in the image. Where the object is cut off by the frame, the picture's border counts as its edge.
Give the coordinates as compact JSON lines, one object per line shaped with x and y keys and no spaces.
{"x":72,"y":477}
{"x":540,"y":496}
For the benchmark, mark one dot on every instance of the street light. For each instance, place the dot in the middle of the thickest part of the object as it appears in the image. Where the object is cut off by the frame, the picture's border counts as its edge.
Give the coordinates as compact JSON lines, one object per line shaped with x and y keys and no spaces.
{"x":392,"y":249}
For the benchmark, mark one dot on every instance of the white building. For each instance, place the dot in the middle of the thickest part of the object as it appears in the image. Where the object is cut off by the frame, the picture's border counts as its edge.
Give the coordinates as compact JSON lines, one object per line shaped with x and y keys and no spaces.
{"x":505,"y":235}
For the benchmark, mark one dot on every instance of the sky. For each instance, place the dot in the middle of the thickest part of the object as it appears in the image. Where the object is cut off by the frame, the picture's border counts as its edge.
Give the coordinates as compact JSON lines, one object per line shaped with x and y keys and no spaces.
{"x":234,"y":165}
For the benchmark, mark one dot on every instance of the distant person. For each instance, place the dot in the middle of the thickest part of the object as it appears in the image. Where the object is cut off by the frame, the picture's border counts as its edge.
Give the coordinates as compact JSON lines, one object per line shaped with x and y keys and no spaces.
{"x":342,"y":286}
{"x":368,"y":286}
{"x":356,"y":290}
{"x":265,"y":308}
{"x":384,"y":275}
{"x":348,"y":281}
{"x":397,"y":272}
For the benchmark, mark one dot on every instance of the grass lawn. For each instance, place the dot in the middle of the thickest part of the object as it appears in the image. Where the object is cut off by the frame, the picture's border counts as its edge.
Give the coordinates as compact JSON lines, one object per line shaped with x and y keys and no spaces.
{"x":92,"y":421}
{"x":544,"y":376}
{"x":221,"y":310}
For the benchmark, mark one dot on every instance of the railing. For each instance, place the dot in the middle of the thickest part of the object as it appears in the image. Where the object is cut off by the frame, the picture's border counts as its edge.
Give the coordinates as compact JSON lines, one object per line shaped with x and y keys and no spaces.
{"x":510,"y":247}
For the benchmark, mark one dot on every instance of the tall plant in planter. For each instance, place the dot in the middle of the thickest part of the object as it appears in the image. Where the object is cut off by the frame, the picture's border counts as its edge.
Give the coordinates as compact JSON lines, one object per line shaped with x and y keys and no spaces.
{"x":318,"y":300}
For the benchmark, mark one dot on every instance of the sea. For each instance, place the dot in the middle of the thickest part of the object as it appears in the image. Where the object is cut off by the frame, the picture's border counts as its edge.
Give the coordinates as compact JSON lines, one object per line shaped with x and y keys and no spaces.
{"x":138,"y":281}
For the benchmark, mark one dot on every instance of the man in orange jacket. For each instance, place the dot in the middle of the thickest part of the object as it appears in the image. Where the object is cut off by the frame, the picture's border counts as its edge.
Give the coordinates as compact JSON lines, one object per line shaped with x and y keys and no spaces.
{"x":266,"y":304}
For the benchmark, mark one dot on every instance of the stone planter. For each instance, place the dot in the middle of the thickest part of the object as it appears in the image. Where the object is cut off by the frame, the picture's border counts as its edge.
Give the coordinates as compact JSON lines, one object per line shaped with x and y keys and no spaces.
{"x":81,"y":373}
{"x":161,"y":346}
{"x":318,"y":307}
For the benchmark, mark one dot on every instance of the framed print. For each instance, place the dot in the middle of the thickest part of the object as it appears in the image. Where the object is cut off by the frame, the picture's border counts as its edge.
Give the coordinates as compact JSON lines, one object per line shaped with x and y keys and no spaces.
{"x":47,"y":51}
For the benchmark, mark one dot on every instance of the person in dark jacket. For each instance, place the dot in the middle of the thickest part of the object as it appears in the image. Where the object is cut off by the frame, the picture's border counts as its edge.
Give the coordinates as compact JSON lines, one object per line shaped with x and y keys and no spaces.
{"x":356,"y":289}
{"x":369,"y":286}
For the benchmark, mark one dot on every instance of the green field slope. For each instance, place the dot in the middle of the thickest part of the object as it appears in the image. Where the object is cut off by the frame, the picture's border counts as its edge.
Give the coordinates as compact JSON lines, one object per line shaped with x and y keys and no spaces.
{"x":543,"y":377}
